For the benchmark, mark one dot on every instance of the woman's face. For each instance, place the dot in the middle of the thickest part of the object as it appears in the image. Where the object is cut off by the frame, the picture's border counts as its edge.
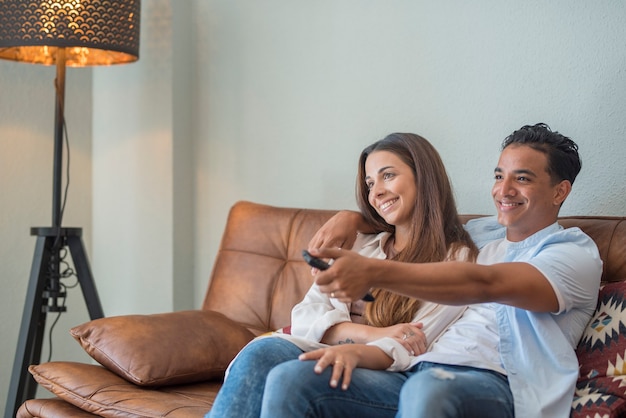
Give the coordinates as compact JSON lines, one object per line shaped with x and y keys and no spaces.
{"x":392,"y":189}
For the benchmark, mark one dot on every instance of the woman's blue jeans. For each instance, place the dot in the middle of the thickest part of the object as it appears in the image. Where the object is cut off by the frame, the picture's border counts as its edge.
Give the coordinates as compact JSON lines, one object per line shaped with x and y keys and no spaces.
{"x":267,"y":379}
{"x":242,"y":391}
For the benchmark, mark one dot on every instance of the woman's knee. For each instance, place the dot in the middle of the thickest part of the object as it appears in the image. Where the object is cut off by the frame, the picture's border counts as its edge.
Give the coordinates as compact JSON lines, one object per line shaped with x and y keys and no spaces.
{"x":266,"y":353}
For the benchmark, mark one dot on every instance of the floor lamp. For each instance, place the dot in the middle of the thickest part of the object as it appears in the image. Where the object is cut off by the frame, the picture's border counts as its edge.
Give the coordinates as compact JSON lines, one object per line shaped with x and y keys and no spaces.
{"x":72,"y":33}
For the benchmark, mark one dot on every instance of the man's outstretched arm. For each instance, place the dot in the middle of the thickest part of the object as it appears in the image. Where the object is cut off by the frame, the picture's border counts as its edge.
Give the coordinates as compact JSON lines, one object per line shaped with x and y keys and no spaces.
{"x":453,"y":283}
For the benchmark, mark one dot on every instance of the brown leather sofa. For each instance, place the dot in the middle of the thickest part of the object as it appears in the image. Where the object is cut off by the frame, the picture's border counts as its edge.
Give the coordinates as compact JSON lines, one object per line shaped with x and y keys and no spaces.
{"x":172,"y":364}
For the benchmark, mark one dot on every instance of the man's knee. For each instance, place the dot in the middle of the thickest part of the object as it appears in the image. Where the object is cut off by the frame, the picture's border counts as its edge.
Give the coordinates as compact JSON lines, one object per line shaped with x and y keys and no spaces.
{"x":430,"y":393}
{"x":451,"y":392}
{"x":428,"y":384}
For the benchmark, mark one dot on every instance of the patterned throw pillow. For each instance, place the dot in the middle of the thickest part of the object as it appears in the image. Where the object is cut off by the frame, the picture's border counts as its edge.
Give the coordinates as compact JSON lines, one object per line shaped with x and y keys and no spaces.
{"x":602,"y":348}
{"x":601,"y":388}
{"x":601,"y":397}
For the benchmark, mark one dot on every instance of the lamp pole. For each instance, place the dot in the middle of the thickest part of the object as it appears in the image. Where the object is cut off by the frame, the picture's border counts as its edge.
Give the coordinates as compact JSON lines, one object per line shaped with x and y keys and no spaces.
{"x":54,"y":290}
{"x":59,"y":123}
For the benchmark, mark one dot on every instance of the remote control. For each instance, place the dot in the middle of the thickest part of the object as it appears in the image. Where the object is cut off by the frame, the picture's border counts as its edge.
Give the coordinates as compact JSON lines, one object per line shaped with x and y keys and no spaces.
{"x":322,"y":265}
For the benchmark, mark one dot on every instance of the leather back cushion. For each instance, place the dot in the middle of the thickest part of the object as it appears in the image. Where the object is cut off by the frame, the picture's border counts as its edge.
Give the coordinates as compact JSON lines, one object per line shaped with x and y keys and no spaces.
{"x":609,"y":233}
{"x":259,"y":273}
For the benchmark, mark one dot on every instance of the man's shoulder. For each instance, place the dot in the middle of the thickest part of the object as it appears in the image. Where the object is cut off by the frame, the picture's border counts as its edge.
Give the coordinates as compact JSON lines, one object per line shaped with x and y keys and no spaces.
{"x":555,"y":248}
{"x":484,"y":230}
{"x":572,"y":235}
{"x":552,"y":241}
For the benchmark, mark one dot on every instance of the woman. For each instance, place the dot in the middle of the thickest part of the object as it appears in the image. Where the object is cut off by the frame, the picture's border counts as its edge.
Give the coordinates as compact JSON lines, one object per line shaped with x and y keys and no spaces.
{"x":403,"y":189}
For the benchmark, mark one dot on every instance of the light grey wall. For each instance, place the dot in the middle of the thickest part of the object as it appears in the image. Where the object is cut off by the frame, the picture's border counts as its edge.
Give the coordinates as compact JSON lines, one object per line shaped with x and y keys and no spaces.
{"x":272,"y":101}
{"x":143,"y":169}
{"x":133,"y":177}
{"x":290,"y":92}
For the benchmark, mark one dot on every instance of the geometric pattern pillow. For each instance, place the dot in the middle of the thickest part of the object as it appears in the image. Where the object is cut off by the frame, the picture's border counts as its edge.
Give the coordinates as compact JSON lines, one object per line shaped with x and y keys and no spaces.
{"x":600,"y":397}
{"x":601,"y":387}
{"x":602,"y":348}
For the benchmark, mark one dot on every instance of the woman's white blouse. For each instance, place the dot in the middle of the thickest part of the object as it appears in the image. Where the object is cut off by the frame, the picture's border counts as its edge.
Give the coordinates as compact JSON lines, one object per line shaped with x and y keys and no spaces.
{"x":311,"y":318}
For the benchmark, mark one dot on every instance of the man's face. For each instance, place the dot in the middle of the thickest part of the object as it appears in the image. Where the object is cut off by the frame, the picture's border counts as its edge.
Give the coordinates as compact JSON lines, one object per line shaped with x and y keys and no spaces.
{"x":525,"y":197}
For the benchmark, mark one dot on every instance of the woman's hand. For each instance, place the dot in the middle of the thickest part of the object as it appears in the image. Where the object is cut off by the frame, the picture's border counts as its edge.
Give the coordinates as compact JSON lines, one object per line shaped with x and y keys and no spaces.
{"x":339,"y":231}
{"x":410,"y":336}
{"x":344,"y":359}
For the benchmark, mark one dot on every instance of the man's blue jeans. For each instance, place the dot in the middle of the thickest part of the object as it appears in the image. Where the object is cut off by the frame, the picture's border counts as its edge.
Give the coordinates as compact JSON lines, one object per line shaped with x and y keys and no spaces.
{"x":266,"y":379}
{"x":427,"y":391}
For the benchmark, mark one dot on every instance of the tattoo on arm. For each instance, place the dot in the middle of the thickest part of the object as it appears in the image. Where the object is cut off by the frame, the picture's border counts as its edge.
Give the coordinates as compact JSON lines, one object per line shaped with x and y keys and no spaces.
{"x":346,"y":341}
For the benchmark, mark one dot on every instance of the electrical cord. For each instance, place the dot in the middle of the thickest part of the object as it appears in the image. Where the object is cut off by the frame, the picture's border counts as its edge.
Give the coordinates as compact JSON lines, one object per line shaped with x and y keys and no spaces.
{"x":67,"y":272}
{"x":52,"y":328}
{"x":58,"y":250}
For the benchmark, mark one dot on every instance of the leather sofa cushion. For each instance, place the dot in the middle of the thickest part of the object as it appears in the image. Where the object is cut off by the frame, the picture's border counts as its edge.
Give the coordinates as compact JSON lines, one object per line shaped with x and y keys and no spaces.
{"x":50,"y":407}
{"x":164,"y":349}
{"x":96,"y":390}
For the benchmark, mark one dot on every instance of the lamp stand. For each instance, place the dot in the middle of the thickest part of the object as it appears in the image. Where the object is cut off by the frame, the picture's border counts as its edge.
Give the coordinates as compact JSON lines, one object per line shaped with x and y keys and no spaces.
{"x":44,"y":284}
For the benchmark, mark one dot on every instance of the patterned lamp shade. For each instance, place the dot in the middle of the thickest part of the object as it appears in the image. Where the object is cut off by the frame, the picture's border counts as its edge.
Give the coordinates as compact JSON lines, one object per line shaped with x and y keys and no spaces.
{"x":92,"y":32}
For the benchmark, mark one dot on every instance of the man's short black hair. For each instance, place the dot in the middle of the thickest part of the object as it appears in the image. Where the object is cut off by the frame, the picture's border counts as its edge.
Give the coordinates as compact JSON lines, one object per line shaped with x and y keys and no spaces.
{"x":563,"y":160}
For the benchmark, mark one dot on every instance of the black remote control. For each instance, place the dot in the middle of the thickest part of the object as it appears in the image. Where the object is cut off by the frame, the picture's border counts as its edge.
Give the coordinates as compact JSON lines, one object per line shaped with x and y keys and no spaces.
{"x":318,"y":263}
{"x":322,"y":265}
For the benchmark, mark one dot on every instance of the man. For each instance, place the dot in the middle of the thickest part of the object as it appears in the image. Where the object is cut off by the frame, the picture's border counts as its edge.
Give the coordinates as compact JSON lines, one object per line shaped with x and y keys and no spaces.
{"x":530,"y":293}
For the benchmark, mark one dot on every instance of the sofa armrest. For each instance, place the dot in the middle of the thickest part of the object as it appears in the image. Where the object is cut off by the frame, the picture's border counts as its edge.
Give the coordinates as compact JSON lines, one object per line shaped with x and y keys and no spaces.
{"x":164,"y":349}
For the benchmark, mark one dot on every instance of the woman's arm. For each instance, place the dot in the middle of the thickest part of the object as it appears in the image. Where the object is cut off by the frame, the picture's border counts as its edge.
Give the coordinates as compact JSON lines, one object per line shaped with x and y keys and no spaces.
{"x":316,"y":314}
{"x":327,"y":320}
{"x":317,"y":317}
{"x":409,"y":335}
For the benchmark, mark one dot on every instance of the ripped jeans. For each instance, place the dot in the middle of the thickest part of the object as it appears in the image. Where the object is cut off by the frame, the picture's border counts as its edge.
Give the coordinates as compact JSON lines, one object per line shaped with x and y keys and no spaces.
{"x":428,"y":390}
{"x":441,"y":390}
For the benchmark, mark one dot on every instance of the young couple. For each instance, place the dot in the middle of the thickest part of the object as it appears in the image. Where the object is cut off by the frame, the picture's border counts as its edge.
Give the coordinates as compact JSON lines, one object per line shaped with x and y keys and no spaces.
{"x":452,"y":333}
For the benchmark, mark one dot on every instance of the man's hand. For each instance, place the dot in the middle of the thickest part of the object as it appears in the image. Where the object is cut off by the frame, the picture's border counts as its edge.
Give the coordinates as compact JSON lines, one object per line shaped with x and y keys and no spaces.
{"x":339,"y":231}
{"x":349,"y":277}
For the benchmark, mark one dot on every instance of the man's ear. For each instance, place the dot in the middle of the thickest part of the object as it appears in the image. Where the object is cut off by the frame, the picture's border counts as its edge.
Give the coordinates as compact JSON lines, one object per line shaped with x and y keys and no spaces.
{"x":561,"y":191}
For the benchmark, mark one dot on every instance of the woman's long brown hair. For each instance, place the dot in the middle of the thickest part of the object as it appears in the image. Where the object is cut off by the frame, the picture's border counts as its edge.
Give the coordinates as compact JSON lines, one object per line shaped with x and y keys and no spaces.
{"x":437,"y":230}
